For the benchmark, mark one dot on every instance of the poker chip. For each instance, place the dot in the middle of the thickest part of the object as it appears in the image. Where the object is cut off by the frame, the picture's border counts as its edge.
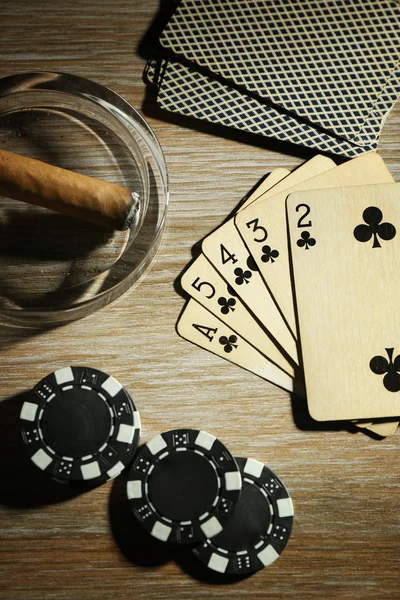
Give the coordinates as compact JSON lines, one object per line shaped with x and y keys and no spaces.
{"x":260,"y":526}
{"x":80,"y":424}
{"x":183,"y":486}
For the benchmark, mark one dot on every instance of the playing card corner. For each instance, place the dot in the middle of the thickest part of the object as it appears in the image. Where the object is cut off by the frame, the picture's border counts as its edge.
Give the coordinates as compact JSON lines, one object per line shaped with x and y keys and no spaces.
{"x":317,"y":414}
{"x":293,"y":200}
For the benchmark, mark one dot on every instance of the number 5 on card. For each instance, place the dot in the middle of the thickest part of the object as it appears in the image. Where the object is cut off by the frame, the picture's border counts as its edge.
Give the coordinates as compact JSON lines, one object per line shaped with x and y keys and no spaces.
{"x":226,"y":251}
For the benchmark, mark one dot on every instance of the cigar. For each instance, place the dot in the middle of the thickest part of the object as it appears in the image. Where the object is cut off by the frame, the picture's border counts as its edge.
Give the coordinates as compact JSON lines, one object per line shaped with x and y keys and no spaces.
{"x":67,"y":192}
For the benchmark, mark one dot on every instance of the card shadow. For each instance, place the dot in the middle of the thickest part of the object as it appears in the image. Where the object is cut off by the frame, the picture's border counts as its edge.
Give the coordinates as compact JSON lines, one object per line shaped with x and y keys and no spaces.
{"x":149,"y":44}
{"x":304,"y":421}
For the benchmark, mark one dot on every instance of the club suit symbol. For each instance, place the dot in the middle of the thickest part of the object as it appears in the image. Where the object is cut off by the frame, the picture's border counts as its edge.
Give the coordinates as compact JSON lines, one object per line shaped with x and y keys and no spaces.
{"x":226,"y":304}
{"x":306,"y":241}
{"x":390,"y":368}
{"x":242,"y":276}
{"x":374,"y":227}
{"x":268,"y":254}
{"x":229,"y":343}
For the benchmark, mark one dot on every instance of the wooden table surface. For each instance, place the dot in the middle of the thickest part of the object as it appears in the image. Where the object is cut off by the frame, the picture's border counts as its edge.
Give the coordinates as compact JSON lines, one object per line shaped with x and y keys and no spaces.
{"x":344,"y":485}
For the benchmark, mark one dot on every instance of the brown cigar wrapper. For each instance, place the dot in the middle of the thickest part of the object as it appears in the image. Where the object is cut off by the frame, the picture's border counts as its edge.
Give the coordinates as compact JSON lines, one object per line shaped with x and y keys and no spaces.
{"x":64,"y":191}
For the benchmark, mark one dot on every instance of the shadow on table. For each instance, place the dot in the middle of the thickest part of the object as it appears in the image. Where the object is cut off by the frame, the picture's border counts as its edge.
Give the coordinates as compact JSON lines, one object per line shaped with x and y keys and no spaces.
{"x":135,"y":543}
{"x":23,"y":485}
{"x":13,"y":334}
{"x":149,"y":44}
{"x":304,"y":421}
{"x":139,"y":547}
{"x":193,"y":567}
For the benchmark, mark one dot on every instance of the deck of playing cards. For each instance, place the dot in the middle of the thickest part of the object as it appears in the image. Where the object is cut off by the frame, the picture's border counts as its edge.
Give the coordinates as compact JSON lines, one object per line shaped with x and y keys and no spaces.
{"x":300,"y":287}
{"x":318,"y":73}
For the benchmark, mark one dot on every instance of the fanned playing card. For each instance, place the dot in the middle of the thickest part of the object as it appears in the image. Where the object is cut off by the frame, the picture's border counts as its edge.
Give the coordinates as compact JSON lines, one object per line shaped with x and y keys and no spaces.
{"x":264,"y":230}
{"x":325,"y":62}
{"x":345,"y":258}
{"x":193,"y":94}
{"x":227,"y":253}
{"x":206,"y":286}
{"x":201,"y":281}
{"x":217,"y":319}
{"x":196,"y":324}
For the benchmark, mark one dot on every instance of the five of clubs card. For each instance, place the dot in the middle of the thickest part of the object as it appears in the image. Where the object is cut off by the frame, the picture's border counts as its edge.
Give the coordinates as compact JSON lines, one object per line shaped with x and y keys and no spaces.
{"x":299,"y":288}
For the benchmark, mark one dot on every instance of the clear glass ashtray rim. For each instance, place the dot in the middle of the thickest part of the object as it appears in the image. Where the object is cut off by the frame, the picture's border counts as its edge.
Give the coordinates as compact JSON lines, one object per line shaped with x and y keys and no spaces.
{"x":136,"y":127}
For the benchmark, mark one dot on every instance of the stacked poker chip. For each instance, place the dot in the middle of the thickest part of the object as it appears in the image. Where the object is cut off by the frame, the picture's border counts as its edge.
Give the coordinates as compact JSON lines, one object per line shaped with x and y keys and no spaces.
{"x":185,"y":487}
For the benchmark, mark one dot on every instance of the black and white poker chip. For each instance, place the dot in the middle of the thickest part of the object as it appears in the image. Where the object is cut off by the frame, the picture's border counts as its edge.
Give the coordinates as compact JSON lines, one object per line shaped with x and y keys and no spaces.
{"x":183,"y":486}
{"x":80,"y":424}
{"x":260,"y":526}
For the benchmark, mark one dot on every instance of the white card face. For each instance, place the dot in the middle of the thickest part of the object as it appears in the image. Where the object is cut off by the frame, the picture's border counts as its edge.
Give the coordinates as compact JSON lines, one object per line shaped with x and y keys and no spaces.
{"x":346,"y":264}
{"x":264,"y":230}
{"x":226,"y":251}
{"x":204,"y":284}
{"x":198,"y":325}
{"x":383,"y":429}
{"x":276,"y":176}
{"x":312,"y":168}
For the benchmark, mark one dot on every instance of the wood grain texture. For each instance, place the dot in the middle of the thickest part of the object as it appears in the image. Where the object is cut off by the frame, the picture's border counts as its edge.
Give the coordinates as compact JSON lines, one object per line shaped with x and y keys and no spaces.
{"x":345,"y":485}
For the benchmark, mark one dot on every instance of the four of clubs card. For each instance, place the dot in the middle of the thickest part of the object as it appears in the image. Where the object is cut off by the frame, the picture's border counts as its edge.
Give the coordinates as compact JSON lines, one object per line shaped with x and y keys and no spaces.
{"x":250,"y":317}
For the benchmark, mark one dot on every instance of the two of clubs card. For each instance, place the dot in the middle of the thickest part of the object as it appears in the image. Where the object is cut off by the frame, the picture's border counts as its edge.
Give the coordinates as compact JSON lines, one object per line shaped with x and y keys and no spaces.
{"x":299,"y":287}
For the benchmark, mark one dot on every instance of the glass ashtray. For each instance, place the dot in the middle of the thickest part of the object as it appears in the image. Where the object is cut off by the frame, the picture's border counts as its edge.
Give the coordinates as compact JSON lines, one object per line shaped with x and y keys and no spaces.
{"x":53,"y":268}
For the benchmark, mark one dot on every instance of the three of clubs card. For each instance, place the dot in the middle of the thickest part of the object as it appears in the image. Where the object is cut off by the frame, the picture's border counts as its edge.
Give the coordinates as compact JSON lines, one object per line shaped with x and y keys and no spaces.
{"x":283,"y":290}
